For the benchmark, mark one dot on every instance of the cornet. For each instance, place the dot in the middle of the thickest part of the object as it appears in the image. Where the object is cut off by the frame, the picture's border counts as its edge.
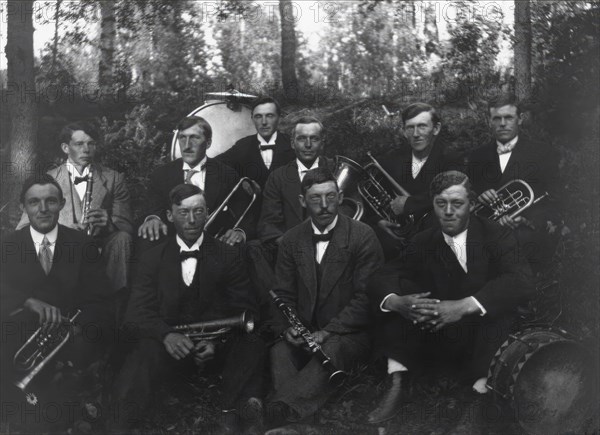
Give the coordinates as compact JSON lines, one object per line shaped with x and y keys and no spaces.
{"x":513,"y":199}
{"x":213,"y":329}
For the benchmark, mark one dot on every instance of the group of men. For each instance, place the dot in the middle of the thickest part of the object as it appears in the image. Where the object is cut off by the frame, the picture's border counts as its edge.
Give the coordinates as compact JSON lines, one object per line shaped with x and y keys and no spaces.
{"x":461,"y":273}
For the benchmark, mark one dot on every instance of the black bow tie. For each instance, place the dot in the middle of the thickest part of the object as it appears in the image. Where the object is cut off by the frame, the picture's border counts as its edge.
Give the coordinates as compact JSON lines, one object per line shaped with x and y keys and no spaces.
{"x":184,"y":255}
{"x":267,"y":147}
{"x":80,"y":179}
{"x":322,"y":237}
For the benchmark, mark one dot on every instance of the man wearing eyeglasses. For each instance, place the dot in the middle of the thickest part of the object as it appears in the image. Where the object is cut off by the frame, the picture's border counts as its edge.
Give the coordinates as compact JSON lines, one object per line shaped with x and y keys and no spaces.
{"x":194,"y":167}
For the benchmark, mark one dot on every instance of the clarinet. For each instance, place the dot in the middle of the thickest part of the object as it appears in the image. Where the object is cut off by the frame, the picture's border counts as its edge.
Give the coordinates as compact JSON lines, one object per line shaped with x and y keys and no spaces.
{"x":87,"y":201}
{"x":336,"y":376}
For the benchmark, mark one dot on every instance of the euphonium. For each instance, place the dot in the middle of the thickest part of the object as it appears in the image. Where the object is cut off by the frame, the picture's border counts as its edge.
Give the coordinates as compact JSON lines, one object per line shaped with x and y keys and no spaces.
{"x":347,"y":174}
{"x":87,"y":201}
{"x":513,"y":198}
{"x":213,"y":329}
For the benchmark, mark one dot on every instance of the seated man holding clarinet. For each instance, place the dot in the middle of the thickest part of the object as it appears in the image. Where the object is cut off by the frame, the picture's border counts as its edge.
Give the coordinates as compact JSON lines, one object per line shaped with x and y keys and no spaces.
{"x":191,"y":277}
{"x":322,"y":269}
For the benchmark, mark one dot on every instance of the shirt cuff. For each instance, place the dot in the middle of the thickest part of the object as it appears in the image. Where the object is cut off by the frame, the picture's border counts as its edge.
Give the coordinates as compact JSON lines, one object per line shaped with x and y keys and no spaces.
{"x":483,"y":310}
{"x":383,"y":302}
{"x":152,"y":216}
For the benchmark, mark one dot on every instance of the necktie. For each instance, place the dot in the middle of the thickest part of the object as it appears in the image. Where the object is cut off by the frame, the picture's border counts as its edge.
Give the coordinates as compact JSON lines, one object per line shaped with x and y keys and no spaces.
{"x":80,"y":179}
{"x":322,"y":237}
{"x":505,"y":148}
{"x":184,"y":255}
{"x":189,"y":173}
{"x":267,"y":147}
{"x":45,"y":256}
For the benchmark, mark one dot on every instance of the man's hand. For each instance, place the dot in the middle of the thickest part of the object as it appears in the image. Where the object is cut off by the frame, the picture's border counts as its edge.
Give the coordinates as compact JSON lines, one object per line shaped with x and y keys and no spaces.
{"x":450,"y":312}
{"x":99,"y":218}
{"x":49,"y":316}
{"x":389,"y":227}
{"x":178,"y":345}
{"x":397,"y":204}
{"x":321,"y":336}
{"x":417,"y":307}
{"x":488,"y":197}
{"x":233,"y":237}
{"x":152,"y":228}
{"x":293,"y":337}
{"x":204,"y":351}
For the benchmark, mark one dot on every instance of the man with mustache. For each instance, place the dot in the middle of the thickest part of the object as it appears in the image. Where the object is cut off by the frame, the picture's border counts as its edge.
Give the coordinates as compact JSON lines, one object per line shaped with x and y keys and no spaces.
{"x":189,"y":277}
{"x":450,"y":299}
{"x":322,"y":270}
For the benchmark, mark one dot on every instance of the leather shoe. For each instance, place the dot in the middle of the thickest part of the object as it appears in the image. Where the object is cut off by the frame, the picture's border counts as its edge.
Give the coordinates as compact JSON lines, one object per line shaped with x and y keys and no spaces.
{"x":389,"y":405}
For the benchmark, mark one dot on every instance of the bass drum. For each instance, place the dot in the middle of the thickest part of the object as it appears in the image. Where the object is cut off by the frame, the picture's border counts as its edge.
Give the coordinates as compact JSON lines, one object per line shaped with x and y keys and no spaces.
{"x":229,"y":121}
{"x":549,"y":379}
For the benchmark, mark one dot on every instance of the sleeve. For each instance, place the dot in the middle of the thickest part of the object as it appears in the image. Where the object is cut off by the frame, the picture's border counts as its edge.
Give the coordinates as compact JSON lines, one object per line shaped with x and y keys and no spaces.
{"x":156,"y":197}
{"x":96,"y":303}
{"x":356,"y":315}
{"x":271,"y":222}
{"x":121,"y":207}
{"x":286,"y":283}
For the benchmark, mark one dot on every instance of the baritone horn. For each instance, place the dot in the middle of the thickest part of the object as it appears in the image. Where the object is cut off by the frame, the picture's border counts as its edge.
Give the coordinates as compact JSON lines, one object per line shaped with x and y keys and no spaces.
{"x":513,"y":199}
{"x":252,"y":191}
{"x":348,"y":174}
{"x":213,"y":329}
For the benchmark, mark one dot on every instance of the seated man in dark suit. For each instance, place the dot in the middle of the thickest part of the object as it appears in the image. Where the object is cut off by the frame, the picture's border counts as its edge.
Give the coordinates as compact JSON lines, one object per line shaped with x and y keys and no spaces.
{"x":322,"y":270}
{"x":214,"y":178}
{"x":189,"y":277}
{"x":511,"y":156}
{"x":451,"y":296}
{"x":49,"y":272}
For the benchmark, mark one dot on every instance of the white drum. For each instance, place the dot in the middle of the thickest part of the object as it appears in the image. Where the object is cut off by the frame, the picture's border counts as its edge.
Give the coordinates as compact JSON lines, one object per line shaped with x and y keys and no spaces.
{"x":229,"y":122}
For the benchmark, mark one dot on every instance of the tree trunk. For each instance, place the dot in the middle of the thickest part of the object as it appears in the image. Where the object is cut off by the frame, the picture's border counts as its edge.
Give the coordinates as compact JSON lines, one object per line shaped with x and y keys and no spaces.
{"x":107,"y":47}
{"x":523,"y":49}
{"x":55,"y":42}
{"x":22,"y":107}
{"x":288,"y":51}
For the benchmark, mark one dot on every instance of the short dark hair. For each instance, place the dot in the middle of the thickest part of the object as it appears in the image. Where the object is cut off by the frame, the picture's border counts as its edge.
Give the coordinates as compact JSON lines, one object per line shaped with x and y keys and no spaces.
{"x":266,"y":100}
{"x":42,"y":179}
{"x":190,"y":121}
{"x":504,"y":100}
{"x":416,"y":109}
{"x":317,"y":176}
{"x":447,"y":179}
{"x":307,"y":119}
{"x":87,"y":127}
{"x":183,"y":191}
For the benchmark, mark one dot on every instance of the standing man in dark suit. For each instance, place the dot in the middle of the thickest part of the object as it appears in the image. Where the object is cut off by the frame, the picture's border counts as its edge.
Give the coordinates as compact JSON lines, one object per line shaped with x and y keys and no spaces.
{"x":214,"y":178}
{"x":188,"y":277}
{"x":413,"y":168}
{"x":510,"y":157}
{"x":257,"y":156}
{"x":322,"y":270}
{"x":110,"y":212}
{"x":451,"y":296}
{"x":48,"y":272}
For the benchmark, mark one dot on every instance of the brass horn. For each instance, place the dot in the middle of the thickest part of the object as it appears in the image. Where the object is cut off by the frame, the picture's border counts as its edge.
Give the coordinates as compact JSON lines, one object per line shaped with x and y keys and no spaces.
{"x":348,"y":174}
{"x":513,"y":198}
{"x":213,"y":329}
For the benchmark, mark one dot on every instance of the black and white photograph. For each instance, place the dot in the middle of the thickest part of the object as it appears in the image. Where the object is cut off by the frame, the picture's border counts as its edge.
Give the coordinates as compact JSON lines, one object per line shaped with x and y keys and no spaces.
{"x":299,"y":217}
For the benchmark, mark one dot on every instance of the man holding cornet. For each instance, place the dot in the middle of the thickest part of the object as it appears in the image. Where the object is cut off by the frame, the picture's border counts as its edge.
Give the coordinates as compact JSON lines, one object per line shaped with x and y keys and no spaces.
{"x":189,"y":277}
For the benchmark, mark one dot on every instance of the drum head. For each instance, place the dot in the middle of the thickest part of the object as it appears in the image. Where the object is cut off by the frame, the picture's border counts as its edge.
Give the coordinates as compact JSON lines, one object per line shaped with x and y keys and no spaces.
{"x":229,"y":124}
{"x":554,"y":392}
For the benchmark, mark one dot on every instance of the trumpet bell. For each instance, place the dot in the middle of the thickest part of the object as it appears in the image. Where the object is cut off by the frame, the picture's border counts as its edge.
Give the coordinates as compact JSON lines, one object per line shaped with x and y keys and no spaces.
{"x":348,"y":174}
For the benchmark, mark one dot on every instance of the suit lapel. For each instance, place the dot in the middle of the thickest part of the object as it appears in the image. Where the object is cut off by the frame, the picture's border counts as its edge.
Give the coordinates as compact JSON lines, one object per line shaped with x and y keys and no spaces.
{"x":279,"y":152}
{"x":306,"y":264}
{"x":476,"y":256}
{"x":212,"y":186}
{"x":71,"y":212}
{"x":291,"y":189}
{"x":99,"y":188}
{"x":335,"y":260}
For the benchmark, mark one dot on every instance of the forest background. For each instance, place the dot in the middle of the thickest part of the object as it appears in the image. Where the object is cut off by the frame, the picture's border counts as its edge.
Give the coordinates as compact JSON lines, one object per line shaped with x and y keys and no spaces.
{"x":136,"y":67}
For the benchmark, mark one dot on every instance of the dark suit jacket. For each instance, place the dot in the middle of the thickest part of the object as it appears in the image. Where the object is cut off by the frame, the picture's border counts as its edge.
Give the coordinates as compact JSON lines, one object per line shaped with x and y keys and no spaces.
{"x":109,"y":192}
{"x":76,"y":280}
{"x":281,"y":209}
{"x":220,"y":180}
{"x":498,"y":276}
{"x":340,"y":304}
{"x":247,"y":161}
{"x":220,"y":288}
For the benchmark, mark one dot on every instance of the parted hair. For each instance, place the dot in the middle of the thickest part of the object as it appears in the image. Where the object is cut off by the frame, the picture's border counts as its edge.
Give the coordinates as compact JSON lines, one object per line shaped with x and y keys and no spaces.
{"x":447,"y":179}
{"x":416,"y":109}
{"x":85,"y":126}
{"x":183,"y":191}
{"x":190,"y":121}
{"x":41,"y":179}
{"x":307,"y":119}
{"x":317,"y":176}
{"x":266,"y":100}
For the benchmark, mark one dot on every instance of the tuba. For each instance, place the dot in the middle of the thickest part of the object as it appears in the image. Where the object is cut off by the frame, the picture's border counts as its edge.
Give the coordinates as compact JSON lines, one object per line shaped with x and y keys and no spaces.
{"x":513,"y":198}
{"x":348,"y":174}
{"x":213,"y":329}
{"x":379,"y":189}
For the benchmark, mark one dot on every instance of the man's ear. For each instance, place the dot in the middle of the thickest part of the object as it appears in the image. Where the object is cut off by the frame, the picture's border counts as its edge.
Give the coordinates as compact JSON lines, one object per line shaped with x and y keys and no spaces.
{"x":340,"y":197}
{"x":170,"y":215}
{"x":520,"y":118}
{"x":21,"y":207}
{"x":63,"y":201}
{"x":208,"y":143}
{"x":302,"y":200}
{"x":437,"y":128}
{"x":65,"y":148}
{"x":472,"y":205}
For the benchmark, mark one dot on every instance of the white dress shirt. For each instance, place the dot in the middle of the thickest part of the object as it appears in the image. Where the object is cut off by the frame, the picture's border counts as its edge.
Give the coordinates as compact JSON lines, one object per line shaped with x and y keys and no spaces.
{"x":505,"y":156}
{"x":417,"y":164}
{"x":321,"y":247}
{"x":267,"y":155}
{"x":73,"y":172}
{"x":302,"y":170}
{"x":188,"y":266}
{"x":198,"y":179}
{"x":37,"y":238}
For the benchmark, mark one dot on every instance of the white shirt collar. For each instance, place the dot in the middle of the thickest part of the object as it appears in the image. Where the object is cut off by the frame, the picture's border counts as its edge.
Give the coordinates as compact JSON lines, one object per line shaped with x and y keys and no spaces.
{"x":459,"y":239}
{"x":262,"y":141}
{"x":38,"y":237}
{"x":511,"y":142}
{"x":327,"y":228}
{"x":184,"y":247}
{"x":198,"y":167}
{"x":73,"y":169}
{"x":301,"y":166}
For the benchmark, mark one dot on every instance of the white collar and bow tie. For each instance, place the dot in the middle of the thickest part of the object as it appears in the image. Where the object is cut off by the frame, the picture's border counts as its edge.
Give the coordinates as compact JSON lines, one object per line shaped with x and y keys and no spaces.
{"x":267,"y":148}
{"x":458,"y":245}
{"x":188,"y":265}
{"x":505,"y":151}
{"x":78,"y":180}
{"x":321,"y":245}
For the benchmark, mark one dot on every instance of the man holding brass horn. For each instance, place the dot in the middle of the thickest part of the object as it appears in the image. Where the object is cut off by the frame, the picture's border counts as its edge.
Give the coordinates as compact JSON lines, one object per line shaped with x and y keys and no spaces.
{"x":49,"y":271}
{"x":322,"y":270}
{"x":96,"y":200}
{"x":189,"y":277}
